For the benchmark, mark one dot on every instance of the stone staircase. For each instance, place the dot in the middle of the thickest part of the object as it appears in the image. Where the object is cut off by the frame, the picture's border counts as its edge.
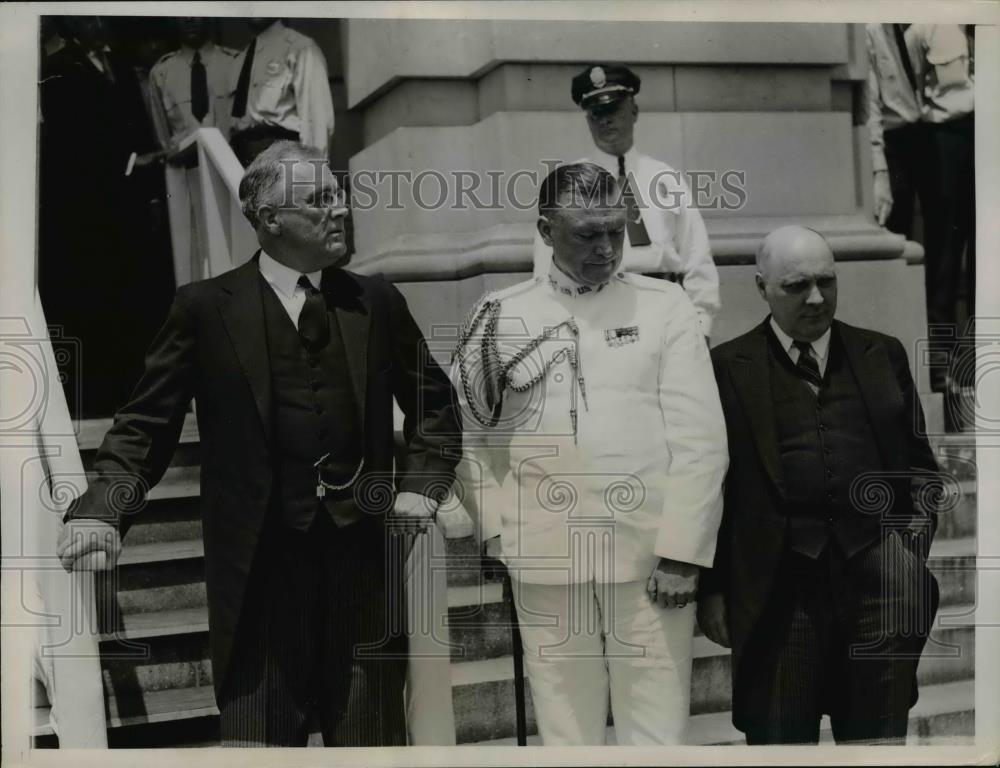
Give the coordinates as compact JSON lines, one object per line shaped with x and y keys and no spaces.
{"x":158,"y":677}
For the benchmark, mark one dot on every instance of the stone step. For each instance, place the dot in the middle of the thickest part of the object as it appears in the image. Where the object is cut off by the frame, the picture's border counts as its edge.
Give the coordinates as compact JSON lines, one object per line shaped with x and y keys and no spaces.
{"x":486,"y":687}
{"x":483,"y":690}
{"x":944,"y":714}
{"x":166,"y":520}
{"x":170,"y":649}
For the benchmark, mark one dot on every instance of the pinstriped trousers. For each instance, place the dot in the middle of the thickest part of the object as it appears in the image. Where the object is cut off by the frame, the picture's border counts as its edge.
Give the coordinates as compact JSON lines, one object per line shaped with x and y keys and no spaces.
{"x":841,"y":637}
{"x":320,"y":641}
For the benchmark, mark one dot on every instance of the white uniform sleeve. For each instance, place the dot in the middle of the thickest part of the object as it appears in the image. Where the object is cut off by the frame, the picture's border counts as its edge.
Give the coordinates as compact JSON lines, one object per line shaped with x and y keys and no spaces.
{"x":873,"y":105}
{"x":161,"y":123}
{"x":696,"y":438}
{"x":313,"y":100}
{"x":701,"y":278}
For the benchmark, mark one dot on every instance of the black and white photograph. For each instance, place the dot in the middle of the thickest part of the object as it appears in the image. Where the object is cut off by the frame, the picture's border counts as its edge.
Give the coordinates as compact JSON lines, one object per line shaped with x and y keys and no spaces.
{"x":472,"y":382}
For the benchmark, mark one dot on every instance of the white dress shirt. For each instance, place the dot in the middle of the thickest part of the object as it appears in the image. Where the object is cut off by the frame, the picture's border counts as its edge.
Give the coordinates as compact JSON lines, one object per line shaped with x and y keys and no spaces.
{"x":820,"y":347}
{"x":678,"y":238}
{"x":170,"y":82}
{"x":285,"y":283}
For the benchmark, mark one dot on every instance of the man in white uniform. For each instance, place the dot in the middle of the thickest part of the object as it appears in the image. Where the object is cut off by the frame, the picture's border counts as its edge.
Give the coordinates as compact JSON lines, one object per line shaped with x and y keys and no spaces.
{"x":595,"y":450}
{"x":189,"y":89}
{"x":665,"y":236}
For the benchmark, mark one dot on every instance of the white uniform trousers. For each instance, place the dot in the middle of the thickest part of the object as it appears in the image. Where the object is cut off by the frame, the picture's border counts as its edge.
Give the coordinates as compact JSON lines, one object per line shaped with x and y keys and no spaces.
{"x":582,"y":641}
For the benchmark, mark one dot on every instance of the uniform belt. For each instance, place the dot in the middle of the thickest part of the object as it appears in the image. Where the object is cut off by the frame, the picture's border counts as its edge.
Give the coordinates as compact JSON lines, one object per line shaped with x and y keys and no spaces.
{"x":673,"y":277}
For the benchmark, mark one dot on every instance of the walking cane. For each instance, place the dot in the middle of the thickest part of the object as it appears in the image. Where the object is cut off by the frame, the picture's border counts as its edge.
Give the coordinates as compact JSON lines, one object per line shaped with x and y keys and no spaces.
{"x":518,"y":652}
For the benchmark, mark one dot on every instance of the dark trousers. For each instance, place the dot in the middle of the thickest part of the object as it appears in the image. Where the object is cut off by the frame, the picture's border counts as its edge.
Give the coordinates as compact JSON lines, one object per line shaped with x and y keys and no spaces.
{"x":953,"y":144}
{"x":320,"y":641}
{"x":935,"y":164}
{"x":842,"y":637}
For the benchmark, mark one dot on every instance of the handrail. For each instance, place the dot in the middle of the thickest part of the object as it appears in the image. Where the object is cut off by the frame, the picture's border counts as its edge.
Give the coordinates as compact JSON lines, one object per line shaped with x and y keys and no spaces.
{"x":225,"y":238}
{"x":67,"y":655}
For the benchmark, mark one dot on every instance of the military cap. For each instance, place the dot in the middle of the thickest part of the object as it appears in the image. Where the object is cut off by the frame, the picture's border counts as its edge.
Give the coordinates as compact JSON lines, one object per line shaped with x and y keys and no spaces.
{"x":604,"y":84}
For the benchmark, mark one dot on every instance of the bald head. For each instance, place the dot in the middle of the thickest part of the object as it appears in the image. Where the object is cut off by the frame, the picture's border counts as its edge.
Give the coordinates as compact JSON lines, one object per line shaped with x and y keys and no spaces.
{"x":796,"y":276}
{"x":791,"y":243}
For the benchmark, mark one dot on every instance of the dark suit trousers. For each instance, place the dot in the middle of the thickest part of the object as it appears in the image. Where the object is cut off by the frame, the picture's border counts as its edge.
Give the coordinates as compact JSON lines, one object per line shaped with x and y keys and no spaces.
{"x":320,"y":640}
{"x":843,"y":637}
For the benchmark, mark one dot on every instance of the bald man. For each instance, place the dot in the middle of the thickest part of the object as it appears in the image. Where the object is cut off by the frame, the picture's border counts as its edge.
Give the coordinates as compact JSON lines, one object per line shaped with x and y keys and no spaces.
{"x":819,"y":584}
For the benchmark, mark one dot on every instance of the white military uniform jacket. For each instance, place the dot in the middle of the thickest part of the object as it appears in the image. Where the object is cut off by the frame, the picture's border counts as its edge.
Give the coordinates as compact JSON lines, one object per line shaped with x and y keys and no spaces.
{"x":678,"y":238}
{"x":170,"y":82}
{"x":639,"y":476}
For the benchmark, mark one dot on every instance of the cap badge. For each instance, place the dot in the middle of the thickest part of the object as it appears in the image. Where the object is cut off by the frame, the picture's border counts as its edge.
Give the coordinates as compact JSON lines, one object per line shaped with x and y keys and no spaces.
{"x":598,"y":78}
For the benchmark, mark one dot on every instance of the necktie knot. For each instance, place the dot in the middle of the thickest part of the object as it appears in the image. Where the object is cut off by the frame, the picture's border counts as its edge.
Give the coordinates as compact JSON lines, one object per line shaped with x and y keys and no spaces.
{"x":306,"y":284}
{"x":807,"y":365}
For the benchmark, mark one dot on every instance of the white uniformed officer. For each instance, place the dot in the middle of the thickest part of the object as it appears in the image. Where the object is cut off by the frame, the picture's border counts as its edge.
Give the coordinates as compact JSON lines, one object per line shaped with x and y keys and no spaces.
{"x":666,"y":235}
{"x":280,"y":91}
{"x":595,"y":449}
{"x":189,"y":89}
{"x":192,"y":84}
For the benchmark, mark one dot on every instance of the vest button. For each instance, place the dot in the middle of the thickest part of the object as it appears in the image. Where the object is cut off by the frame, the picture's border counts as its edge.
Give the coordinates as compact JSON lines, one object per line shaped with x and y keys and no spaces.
{"x":319,"y":409}
{"x":313,"y":360}
{"x":822,"y":427}
{"x":316,"y":384}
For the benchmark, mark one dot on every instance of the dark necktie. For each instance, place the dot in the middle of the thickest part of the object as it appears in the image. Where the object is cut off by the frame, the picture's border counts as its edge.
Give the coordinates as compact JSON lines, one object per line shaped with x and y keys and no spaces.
{"x":637,"y":234}
{"x":199,"y":88}
{"x":314,"y":328}
{"x":243,"y":84}
{"x":807,"y":366}
{"x":904,"y":57}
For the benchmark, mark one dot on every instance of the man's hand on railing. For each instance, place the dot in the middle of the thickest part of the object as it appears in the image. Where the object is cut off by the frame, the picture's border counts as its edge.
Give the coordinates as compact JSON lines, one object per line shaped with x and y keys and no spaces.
{"x":184,"y":158}
{"x":88,"y":545}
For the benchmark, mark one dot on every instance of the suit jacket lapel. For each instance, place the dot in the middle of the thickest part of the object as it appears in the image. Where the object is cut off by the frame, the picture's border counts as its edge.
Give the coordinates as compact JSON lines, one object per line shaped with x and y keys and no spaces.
{"x":352,"y":306}
{"x":242,"y":314}
{"x":869,"y":362}
{"x":751,"y":374}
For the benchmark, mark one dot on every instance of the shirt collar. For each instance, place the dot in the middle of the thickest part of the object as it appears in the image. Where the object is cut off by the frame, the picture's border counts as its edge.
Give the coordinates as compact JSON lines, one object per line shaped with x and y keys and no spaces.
{"x":205,"y":50}
{"x":565,"y":285}
{"x":820,"y":347}
{"x":283,"y":278}
{"x":271,"y":31}
{"x":610,"y":162}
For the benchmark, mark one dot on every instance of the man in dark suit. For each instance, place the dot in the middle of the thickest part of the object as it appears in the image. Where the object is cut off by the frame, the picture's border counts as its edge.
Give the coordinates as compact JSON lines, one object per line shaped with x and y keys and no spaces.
{"x":820,"y":582}
{"x":293,"y":363}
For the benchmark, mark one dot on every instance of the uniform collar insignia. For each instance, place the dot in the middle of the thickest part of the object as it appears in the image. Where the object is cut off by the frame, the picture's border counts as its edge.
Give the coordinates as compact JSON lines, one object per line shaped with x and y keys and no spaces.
{"x":562,"y":283}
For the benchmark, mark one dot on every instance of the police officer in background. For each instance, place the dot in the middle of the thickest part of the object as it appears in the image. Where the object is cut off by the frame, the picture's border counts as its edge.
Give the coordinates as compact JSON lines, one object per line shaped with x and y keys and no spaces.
{"x":280,"y":91}
{"x":665,"y":236}
{"x":192,"y":86}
